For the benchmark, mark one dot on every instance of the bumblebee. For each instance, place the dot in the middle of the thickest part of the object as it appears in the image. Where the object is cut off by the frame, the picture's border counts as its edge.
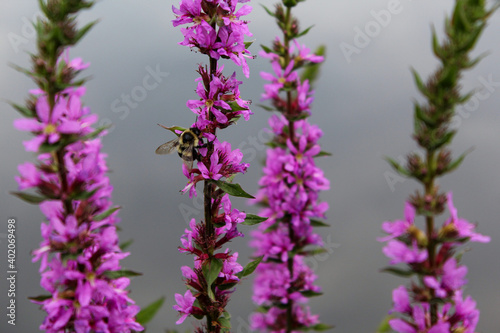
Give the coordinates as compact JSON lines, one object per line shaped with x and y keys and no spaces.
{"x":185,"y":146}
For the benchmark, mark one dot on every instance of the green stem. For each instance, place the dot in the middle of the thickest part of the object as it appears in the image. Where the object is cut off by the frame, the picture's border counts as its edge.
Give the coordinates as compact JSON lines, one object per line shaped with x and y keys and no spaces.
{"x":208,"y":192}
{"x":431,"y":247}
{"x":61,"y":169}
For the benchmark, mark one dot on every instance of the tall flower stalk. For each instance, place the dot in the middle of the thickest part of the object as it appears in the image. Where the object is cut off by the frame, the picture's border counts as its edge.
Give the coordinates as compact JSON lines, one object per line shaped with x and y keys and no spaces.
{"x":216,"y":29}
{"x":434,"y":302}
{"x":290,"y":187}
{"x":80,"y":256}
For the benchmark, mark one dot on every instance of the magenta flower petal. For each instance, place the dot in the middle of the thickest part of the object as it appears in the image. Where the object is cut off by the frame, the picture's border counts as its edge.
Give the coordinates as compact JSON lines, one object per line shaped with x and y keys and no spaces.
{"x":401,"y":326}
{"x":34,"y":144}
{"x":28,"y":124}
{"x":184,"y":305}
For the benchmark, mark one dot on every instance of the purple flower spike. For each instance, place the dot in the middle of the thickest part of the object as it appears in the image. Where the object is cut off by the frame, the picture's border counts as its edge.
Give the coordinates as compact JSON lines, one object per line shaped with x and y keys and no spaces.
{"x":217,"y":29}
{"x":79,"y":251}
{"x":289,"y":190}
{"x":444,"y":282}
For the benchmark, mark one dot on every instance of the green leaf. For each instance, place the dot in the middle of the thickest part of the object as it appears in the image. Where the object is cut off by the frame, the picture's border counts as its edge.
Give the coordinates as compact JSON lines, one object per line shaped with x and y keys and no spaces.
{"x":398,"y":271}
{"x":302,"y":33}
{"x":23,"y":110}
{"x":318,"y":223}
{"x":265,"y":107}
{"x":232,"y":189}
{"x":250,"y":267}
{"x":224,"y":323}
{"x":107,"y":213}
{"x":25,"y":71}
{"x":420,"y":84}
{"x":251,"y":219}
{"x":211,"y":270}
{"x":268,"y":11}
{"x":384,"y":326}
{"x":48,"y":148}
{"x":94,"y":134}
{"x":313,"y":252}
{"x":173,"y":129}
{"x":226,"y":286}
{"x":84,"y":195}
{"x":322,"y":327}
{"x":121,"y":273}
{"x":43,"y":7}
{"x":126,"y":244}
{"x":271,"y":228}
{"x":274,"y":144}
{"x":420,"y":116}
{"x":30,"y":198}
{"x":235,"y":107}
{"x":456,"y":163}
{"x":323,"y":153}
{"x":83,"y":31}
{"x":262,"y":309}
{"x":310,"y":293}
{"x":40,"y":298}
{"x":398,"y":167}
{"x":266,"y":49}
{"x":445,"y":139}
{"x":291,"y":3}
{"x":248,"y":44}
{"x":146,"y":314}
{"x":438,"y":50}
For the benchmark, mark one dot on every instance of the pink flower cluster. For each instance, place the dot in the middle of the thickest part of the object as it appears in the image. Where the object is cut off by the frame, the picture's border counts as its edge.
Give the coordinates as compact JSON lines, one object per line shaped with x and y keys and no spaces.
{"x":290,"y":188}
{"x":228,"y":41}
{"x":80,"y":250}
{"x":215,"y":28}
{"x":287,"y":78}
{"x":442,"y":281}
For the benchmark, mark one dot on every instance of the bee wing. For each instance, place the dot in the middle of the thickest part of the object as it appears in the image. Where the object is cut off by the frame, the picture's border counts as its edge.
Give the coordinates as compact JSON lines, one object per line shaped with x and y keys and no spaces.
{"x":187,"y":157}
{"x":167,"y":148}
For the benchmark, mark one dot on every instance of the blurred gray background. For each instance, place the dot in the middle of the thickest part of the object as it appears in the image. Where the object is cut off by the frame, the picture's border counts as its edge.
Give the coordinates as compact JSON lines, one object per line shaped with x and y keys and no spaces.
{"x":363,"y":104}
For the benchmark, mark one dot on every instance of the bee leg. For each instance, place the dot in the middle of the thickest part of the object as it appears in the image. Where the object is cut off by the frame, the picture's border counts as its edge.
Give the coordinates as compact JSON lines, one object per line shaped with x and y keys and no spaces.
{"x":196,"y":156}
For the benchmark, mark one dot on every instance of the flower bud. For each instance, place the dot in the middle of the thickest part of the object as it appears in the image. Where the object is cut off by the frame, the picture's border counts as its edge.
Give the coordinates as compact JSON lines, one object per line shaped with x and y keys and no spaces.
{"x":448,"y":231}
{"x":419,"y":235}
{"x":443,"y":161}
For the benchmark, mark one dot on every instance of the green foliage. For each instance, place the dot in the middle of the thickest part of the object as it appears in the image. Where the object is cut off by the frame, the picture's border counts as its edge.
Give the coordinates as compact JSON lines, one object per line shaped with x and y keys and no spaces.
{"x":318,"y":223}
{"x":384,"y":326}
{"x":147,"y":313}
{"x":29,"y":198}
{"x":398,"y":271}
{"x":124,"y":245}
{"x":310,"y":293}
{"x":291,"y":3}
{"x":107,"y":213}
{"x":251,"y":219}
{"x":249,"y":268}
{"x":40,"y":298}
{"x":121,"y":273}
{"x":24,"y":111}
{"x":232,"y":189}
{"x":211,"y":270}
